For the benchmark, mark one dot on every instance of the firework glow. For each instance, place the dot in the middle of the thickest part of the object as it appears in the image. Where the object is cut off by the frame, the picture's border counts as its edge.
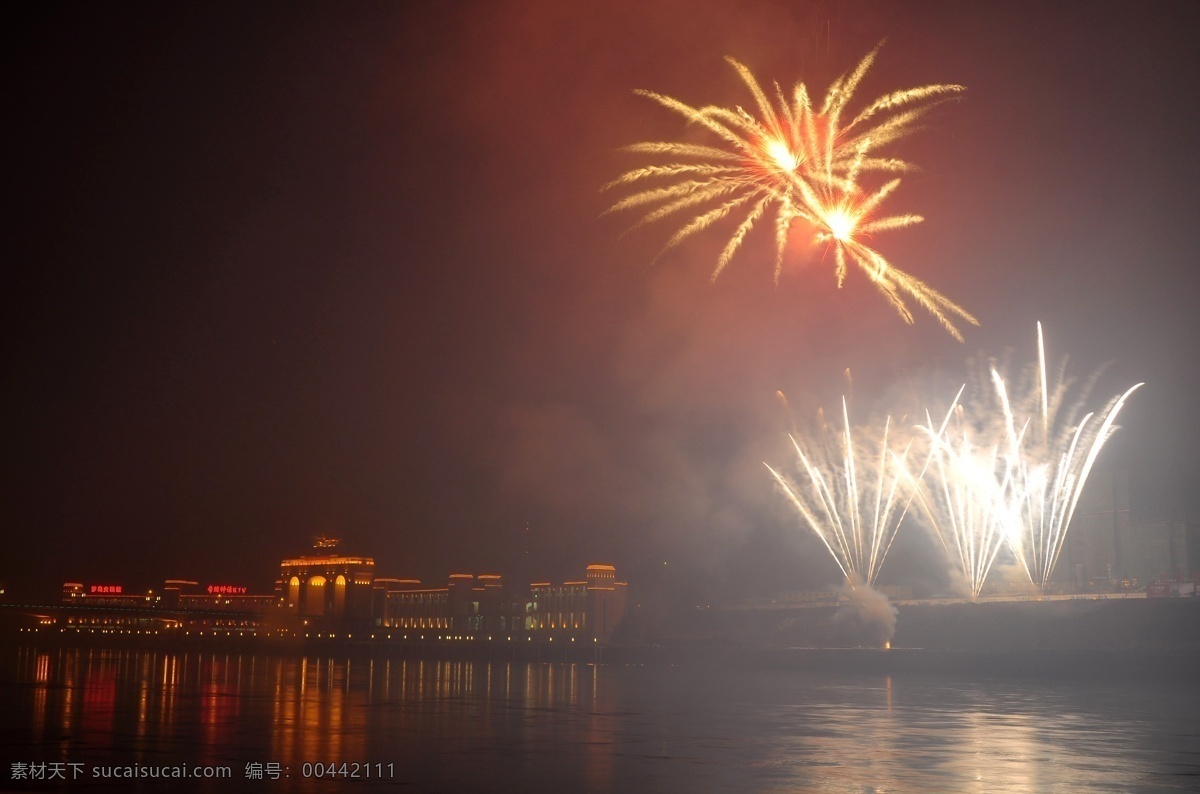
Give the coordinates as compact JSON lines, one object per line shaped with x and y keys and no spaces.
{"x":968,"y":495}
{"x":799,"y":161}
{"x":1007,"y":470}
{"x":1001,"y":477}
{"x":852,"y":492}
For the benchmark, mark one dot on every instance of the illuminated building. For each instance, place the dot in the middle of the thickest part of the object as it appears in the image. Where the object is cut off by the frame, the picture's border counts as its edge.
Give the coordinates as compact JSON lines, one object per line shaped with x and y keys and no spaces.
{"x":107,"y":594}
{"x":331,"y":592}
{"x":495,"y":612}
{"x":381,"y":588}
{"x":592,"y":607}
{"x":482,"y":605}
{"x":467,"y":604}
{"x":328,"y":584}
{"x":405,"y":604}
{"x":174,"y":588}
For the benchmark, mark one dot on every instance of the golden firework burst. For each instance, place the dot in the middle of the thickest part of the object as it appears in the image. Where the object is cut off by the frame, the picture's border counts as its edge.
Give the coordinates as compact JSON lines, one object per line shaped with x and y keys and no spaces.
{"x":799,"y":161}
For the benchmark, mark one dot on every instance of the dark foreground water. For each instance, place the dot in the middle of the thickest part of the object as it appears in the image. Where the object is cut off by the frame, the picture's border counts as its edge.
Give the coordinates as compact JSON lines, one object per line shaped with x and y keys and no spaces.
{"x":479,"y":726}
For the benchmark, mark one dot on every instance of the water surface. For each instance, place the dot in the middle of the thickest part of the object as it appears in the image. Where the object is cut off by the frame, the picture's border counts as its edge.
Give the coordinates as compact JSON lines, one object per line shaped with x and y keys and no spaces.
{"x":496,"y":726}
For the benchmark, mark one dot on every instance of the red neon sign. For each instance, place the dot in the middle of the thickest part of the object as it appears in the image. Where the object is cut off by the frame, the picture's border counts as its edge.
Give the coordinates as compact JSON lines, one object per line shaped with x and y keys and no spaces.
{"x":225,"y":589}
{"x":106,"y":589}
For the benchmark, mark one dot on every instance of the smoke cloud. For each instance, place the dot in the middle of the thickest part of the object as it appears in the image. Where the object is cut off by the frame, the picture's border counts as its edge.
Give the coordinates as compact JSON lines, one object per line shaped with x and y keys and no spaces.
{"x":868,"y":614}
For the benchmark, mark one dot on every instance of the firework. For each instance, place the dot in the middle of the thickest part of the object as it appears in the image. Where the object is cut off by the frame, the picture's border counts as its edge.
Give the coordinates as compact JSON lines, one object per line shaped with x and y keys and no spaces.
{"x":1053,"y":460}
{"x":1008,"y":470}
{"x":798,"y":161}
{"x":843,"y":221}
{"x":966,"y":493}
{"x":853,"y":493}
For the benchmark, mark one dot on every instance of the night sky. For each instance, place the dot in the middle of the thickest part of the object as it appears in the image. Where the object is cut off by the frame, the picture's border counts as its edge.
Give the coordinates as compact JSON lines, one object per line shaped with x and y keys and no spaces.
{"x":276,"y":271}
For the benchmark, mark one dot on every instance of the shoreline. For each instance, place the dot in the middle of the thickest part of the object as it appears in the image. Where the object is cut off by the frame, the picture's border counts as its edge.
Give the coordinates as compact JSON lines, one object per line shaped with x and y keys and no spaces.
{"x":1080,"y":637}
{"x":1180,"y":663}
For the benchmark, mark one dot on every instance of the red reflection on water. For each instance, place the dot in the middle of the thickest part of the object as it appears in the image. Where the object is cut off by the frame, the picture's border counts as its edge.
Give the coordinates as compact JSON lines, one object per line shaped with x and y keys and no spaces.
{"x":219,"y":699}
{"x":99,"y":696}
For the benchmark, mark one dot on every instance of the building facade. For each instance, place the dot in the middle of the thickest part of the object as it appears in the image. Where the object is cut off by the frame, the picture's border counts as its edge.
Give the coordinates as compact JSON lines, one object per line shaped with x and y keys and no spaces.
{"x":327,"y":584}
{"x":592,"y":607}
{"x":327,"y":591}
{"x":482,"y":606}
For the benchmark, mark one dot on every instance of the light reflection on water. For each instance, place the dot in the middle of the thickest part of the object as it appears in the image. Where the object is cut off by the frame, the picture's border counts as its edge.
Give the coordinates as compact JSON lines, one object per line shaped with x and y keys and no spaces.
{"x":461,"y":725}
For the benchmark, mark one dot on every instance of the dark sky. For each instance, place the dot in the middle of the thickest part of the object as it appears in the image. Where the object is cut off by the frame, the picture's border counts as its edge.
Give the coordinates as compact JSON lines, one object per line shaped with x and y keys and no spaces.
{"x":281,"y":270}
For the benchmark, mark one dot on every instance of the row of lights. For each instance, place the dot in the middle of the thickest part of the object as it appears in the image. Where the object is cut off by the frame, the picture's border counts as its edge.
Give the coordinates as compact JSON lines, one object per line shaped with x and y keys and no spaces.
{"x":93,"y":631}
{"x":242,"y":633}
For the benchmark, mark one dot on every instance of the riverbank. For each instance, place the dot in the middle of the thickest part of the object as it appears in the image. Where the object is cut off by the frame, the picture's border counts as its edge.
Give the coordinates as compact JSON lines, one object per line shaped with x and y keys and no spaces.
{"x":1109,"y":638}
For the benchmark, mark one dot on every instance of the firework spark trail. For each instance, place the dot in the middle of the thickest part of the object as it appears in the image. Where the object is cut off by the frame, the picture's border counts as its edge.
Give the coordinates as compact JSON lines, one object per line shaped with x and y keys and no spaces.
{"x":1009,"y":471}
{"x":801,"y":162}
{"x":843,"y":220}
{"x":963,"y":496}
{"x":1052,"y":470}
{"x":854,"y":494}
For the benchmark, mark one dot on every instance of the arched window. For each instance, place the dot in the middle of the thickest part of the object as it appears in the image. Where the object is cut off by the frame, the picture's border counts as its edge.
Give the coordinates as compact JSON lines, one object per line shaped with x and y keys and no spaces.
{"x":339,"y":595}
{"x":314,"y":596}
